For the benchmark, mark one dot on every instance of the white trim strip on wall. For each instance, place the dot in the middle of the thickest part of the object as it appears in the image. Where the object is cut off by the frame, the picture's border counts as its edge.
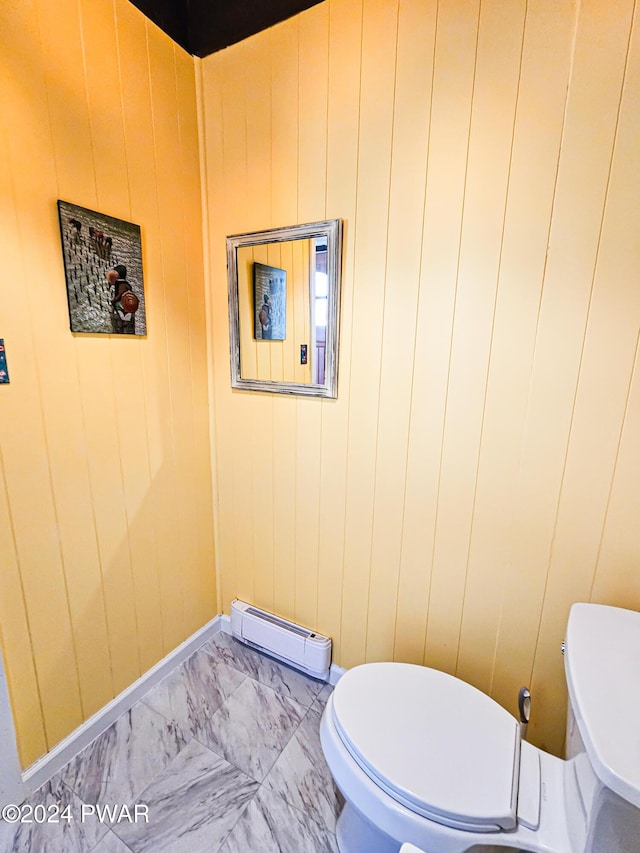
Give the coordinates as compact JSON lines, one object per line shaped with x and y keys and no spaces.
{"x":11,"y":784}
{"x":44,"y":768}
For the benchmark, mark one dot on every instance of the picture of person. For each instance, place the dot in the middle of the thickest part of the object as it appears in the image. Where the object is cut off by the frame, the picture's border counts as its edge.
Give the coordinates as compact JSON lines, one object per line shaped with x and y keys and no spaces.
{"x":270,"y":302}
{"x":125,"y":303}
{"x":265,"y":317}
{"x":103,"y":271}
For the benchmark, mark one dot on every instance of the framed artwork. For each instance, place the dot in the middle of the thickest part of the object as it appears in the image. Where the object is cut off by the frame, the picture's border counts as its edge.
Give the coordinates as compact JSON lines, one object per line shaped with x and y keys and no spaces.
{"x":103,"y":271}
{"x":270,"y":302}
{"x":4,"y":372}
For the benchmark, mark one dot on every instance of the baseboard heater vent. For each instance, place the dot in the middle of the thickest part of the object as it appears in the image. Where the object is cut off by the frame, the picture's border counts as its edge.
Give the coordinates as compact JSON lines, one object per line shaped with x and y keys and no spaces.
{"x":290,"y":643}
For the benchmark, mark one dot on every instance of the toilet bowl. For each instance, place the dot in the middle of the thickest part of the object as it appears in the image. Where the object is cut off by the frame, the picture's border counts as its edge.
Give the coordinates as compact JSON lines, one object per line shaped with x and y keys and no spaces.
{"x":426,"y":759}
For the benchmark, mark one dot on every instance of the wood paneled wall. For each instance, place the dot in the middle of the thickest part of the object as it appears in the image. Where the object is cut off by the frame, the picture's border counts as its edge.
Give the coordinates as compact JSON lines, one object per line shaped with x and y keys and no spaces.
{"x":106,"y":531}
{"x":480,"y":469}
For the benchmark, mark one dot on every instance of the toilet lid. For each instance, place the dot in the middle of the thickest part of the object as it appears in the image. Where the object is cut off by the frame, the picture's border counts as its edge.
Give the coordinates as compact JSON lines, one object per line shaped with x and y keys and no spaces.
{"x":434,"y":743}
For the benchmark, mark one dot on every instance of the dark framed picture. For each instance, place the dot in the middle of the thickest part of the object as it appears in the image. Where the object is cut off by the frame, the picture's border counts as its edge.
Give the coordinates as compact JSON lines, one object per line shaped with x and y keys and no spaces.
{"x":103,"y":271}
{"x":270,"y":302}
{"x":4,"y":371}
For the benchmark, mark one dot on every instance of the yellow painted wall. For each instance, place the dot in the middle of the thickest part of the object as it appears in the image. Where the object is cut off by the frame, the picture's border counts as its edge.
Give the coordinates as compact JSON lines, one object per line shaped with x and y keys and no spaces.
{"x":480,"y":469}
{"x":106,"y":538}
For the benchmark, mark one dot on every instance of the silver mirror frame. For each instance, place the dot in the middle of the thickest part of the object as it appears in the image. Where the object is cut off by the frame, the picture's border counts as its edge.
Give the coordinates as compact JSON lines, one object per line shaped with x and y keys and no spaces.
{"x":332,"y":230}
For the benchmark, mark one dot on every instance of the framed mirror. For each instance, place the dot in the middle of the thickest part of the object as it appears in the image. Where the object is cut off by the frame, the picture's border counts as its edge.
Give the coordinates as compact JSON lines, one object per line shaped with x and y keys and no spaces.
{"x":284,"y":308}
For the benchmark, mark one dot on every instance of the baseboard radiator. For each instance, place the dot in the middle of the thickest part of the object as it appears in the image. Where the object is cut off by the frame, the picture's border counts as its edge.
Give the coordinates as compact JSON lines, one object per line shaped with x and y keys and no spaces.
{"x":290,"y":643}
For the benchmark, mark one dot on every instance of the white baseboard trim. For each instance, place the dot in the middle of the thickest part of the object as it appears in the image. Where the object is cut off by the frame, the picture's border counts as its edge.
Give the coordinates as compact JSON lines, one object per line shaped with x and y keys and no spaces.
{"x":11,"y":785}
{"x":44,"y":768}
{"x":335,"y":674}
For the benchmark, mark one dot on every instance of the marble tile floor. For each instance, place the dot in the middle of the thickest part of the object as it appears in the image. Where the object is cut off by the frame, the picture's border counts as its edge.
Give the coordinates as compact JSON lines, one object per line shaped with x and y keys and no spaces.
{"x":222,"y":756}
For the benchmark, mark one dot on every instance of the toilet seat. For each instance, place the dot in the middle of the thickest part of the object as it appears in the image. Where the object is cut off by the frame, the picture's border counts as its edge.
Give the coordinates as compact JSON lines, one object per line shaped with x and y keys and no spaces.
{"x":435,"y":744}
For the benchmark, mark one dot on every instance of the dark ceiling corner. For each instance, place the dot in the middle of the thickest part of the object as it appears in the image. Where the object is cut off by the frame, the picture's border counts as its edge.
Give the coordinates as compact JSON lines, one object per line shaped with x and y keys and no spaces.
{"x":170,"y":15}
{"x":202,"y":27}
{"x":215,"y":25}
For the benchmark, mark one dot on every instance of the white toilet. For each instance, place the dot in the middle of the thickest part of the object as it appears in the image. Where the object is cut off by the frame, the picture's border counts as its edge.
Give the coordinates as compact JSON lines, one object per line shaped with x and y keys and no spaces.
{"x":424,"y":758}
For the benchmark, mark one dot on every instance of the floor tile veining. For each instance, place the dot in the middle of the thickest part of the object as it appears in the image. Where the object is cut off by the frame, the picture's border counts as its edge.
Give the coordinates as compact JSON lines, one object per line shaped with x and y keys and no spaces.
{"x":222,"y":756}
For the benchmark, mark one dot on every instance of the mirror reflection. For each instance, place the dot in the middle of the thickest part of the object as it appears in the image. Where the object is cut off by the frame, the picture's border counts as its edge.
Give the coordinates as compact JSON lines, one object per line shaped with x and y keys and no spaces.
{"x":282,"y":295}
{"x":283,"y":303}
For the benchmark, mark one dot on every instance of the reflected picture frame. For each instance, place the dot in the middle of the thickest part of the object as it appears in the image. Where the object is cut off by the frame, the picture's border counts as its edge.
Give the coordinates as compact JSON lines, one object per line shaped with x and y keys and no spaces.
{"x":269,"y":302}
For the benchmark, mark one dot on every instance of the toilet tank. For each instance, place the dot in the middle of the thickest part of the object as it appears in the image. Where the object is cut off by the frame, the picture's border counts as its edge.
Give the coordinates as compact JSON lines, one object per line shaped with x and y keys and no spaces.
{"x":602,"y":665}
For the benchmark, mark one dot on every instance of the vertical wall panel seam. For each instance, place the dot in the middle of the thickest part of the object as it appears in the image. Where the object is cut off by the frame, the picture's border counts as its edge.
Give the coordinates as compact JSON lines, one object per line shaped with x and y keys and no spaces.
{"x":353,"y":280}
{"x":43,"y":729}
{"x":143,"y":343}
{"x":161,"y":261}
{"x":297,"y":32}
{"x":208,"y":285}
{"x":110,"y":341}
{"x":298,"y":403}
{"x":615,"y":467}
{"x":95,"y":530}
{"x":139,"y":348}
{"x":271,"y":403}
{"x":274,"y":596}
{"x":453,"y":323}
{"x":226,"y":411}
{"x":412,"y":389}
{"x":8,"y":502}
{"x":247,"y":171}
{"x":368,"y":591}
{"x":84,"y":433}
{"x":182,"y":533}
{"x":122,"y":110}
{"x":553,"y":204}
{"x":188,"y":294}
{"x":582,"y":345}
{"x":384,"y":301}
{"x":539,"y":311}
{"x":295,"y":406}
{"x":85,"y":74}
{"x":633,"y":368}
{"x":348,"y":229}
{"x":110,"y":346}
{"x":326,"y":116}
{"x":491,"y":340}
{"x":41,"y":401}
{"x":323,"y":402}
{"x":271,"y":224}
{"x":125,"y":509}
